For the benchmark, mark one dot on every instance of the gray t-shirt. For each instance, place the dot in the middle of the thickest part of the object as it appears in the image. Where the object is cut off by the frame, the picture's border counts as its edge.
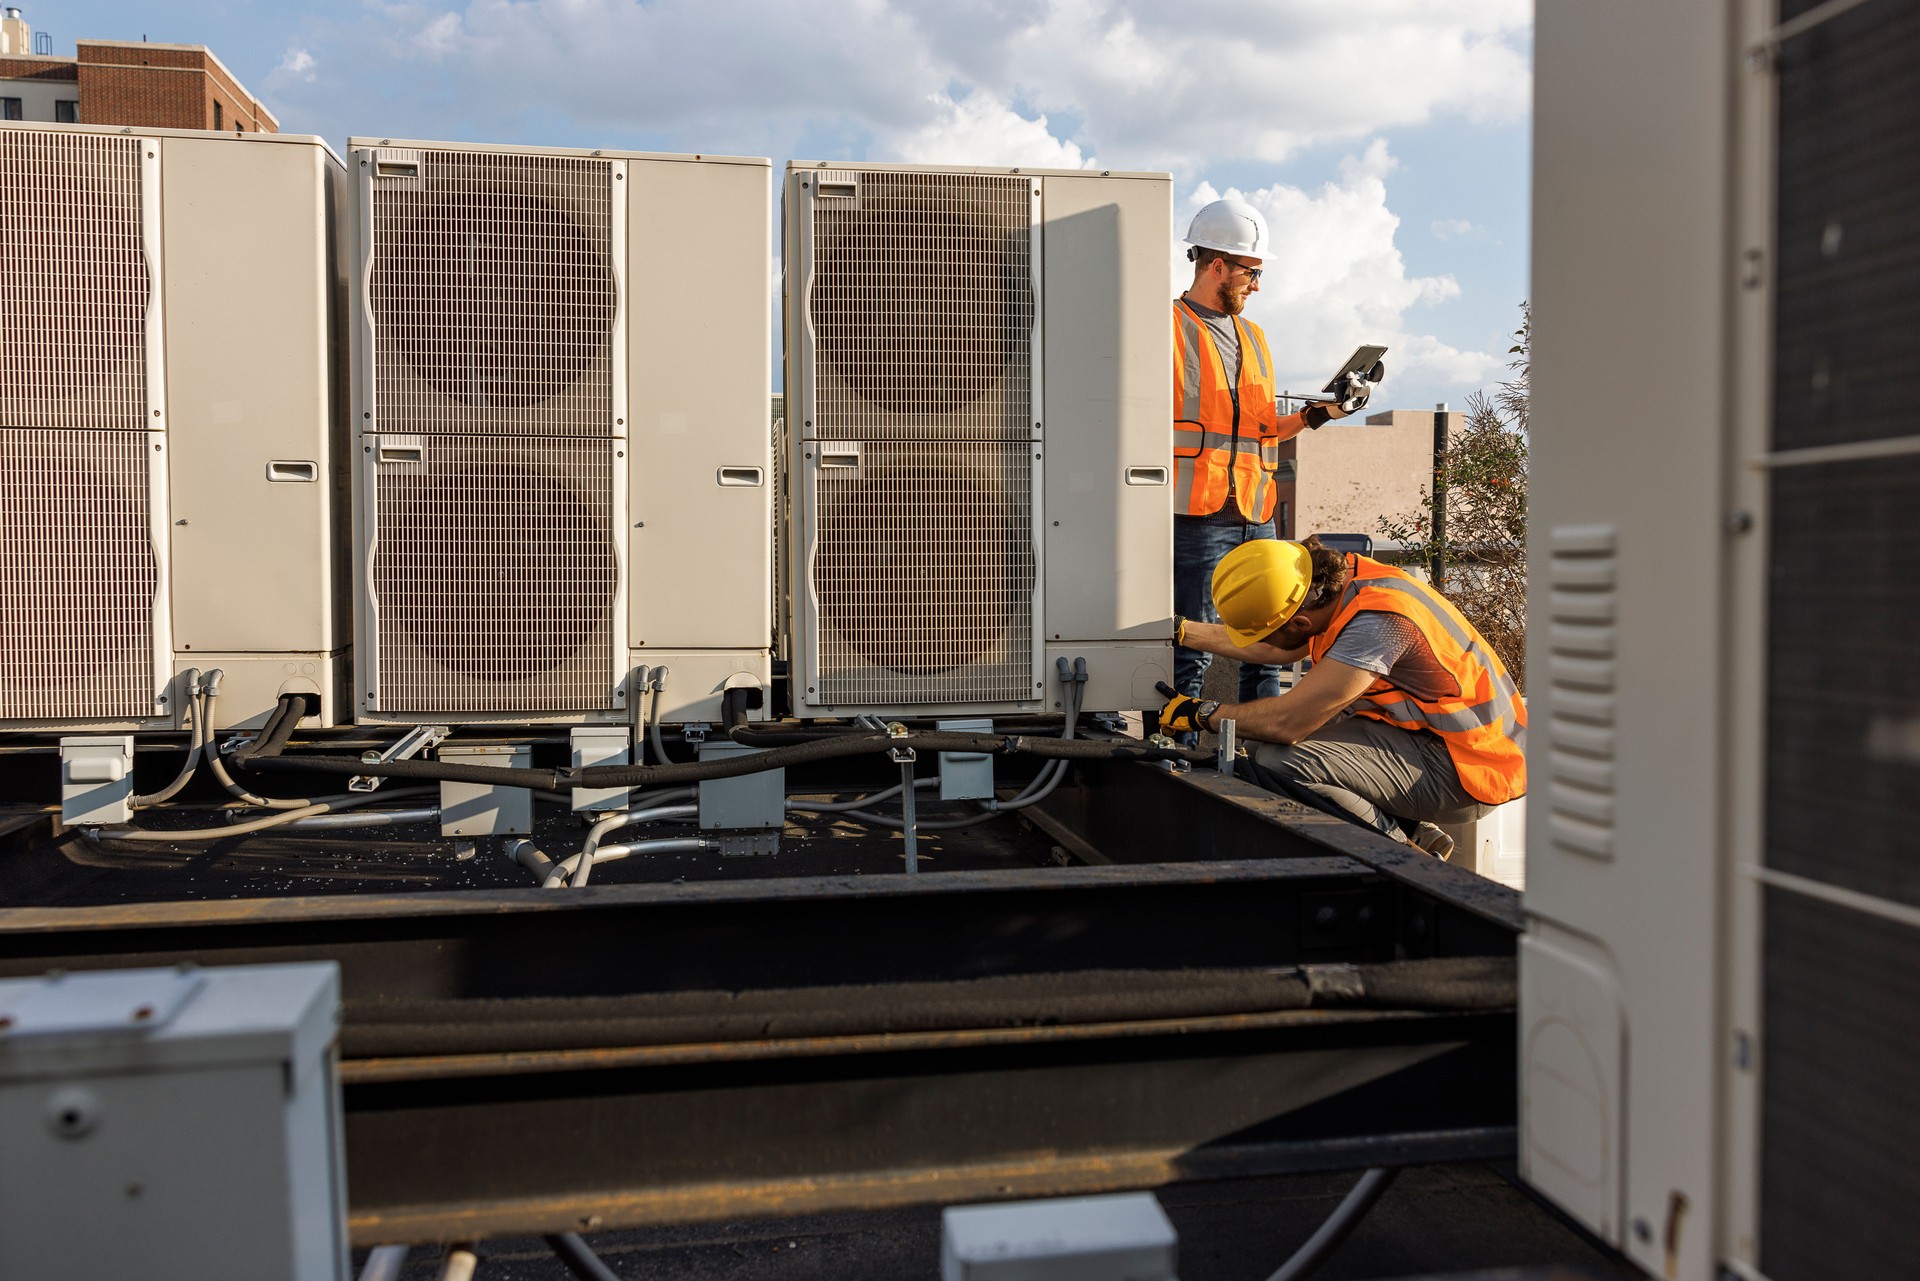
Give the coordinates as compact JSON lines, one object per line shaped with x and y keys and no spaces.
{"x":1391,"y":646}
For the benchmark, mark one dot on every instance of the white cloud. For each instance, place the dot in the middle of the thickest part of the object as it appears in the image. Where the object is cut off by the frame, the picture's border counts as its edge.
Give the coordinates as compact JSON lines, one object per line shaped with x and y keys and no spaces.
{"x":981,"y":129}
{"x":1335,"y":279}
{"x":298,"y":64}
{"x":1150,"y":85}
{"x":1449,"y":228}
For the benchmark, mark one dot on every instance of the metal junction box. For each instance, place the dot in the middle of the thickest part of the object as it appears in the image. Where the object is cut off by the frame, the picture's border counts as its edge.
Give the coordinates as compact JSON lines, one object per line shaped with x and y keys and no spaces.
{"x":751,"y":801}
{"x":172,"y":1123}
{"x":481,"y":809}
{"x":1094,"y":1238}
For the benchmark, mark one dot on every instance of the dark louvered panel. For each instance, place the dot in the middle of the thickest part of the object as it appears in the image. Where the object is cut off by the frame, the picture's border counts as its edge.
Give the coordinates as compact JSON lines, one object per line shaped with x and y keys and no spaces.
{"x":1840,"y":1019}
{"x":1849,"y":229}
{"x":494,"y":574}
{"x":1843,"y":739}
{"x":492,"y":293}
{"x":1841,"y":1094}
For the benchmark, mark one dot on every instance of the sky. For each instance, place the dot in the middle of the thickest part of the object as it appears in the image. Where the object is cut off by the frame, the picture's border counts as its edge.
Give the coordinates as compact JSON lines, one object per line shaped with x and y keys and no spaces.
{"x":1386,"y":141}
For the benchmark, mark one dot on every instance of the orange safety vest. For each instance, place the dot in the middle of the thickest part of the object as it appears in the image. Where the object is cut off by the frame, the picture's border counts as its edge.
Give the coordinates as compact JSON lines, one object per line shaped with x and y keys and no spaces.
{"x":1485,"y":724}
{"x":1224,"y":446}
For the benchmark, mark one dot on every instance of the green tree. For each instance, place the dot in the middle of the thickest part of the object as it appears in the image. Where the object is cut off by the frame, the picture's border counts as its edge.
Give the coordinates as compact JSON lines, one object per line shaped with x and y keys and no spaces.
{"x":1483,"y":486}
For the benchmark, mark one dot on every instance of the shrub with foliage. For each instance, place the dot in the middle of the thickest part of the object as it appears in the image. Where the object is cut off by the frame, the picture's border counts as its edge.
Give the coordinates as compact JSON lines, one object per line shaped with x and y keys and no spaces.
{"x":1482,"y":550}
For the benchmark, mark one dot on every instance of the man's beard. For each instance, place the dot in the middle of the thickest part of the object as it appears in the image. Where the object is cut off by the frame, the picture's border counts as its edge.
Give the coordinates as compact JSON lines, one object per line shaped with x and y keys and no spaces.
{"x":1233,"y":302}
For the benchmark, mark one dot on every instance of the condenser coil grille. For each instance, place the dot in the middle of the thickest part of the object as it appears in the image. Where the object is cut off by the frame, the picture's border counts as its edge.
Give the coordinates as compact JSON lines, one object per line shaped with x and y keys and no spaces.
{"x":77,"y":576}
{"x":492,"y":292}
{"x":74,"y":283}
{"x":924,"y":576}
{"x":494,"y":574}
{"x":922,"y":306}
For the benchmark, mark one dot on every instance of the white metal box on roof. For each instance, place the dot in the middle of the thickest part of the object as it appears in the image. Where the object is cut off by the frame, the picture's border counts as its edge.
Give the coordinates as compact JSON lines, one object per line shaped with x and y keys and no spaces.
{"x":169,"y":429}
{"x":979,"y":415}
{"x":560,"y":368}
{"x":172,"y":1123}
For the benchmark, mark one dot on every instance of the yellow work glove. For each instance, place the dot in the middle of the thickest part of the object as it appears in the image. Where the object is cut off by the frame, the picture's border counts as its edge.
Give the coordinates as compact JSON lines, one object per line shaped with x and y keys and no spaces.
{"x":1181,"y":715}
{"x":1179,"y":630}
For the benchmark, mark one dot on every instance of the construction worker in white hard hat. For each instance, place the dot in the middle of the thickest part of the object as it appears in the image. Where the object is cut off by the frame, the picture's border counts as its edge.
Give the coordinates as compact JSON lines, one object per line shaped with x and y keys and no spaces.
{"x":1227,"y":426}
{"x":1408,"y":719}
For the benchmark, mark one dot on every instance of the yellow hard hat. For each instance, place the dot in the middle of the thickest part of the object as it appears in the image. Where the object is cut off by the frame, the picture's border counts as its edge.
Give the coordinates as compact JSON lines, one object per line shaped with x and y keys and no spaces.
{"x":1259,"y":585}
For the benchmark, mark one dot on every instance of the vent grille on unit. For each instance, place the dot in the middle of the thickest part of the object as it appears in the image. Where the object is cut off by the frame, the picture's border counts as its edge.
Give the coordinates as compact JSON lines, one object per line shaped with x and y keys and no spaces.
{"x":493,"y":294}
{"x":924,"y":575}
{"x":495,"y":574}
{"x":922,"y":306}
{"x":1582,"y":676}
{"x":77,"y":575}
{"x":74,"y":283}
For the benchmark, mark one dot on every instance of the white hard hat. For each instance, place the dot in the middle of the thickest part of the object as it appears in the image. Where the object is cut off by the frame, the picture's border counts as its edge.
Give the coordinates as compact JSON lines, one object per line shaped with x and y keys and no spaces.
{"x":1231,"y":226}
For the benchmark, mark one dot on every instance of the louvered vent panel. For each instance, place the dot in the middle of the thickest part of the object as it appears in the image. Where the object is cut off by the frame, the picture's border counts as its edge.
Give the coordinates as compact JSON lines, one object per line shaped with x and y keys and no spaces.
{"x":924,"y":574}
{"x":495,"y":576}
{"x":492,"y":292}
{"x":77,"y":576}
{"x":74,"y":282}
{"x":922,"y":306}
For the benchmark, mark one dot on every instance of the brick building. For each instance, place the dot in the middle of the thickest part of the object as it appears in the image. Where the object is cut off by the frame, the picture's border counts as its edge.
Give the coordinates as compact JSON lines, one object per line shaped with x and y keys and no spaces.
{"x":124,"y":82}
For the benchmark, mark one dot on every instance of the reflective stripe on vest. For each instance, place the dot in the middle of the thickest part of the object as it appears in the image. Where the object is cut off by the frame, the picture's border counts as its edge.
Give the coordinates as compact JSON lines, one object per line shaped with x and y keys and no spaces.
{"x":1485,"y":724}
{"x":1220,"y":430}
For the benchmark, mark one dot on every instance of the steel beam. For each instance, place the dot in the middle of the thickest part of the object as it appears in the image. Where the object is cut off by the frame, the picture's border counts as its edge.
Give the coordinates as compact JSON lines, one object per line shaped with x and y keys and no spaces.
{"x":565,"y":1131}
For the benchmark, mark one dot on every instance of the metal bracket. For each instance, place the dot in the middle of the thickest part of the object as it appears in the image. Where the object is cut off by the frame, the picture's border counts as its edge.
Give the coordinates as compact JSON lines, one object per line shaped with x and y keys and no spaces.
{"x":1171,"y":767}
{"x":746,"y":843}
{"x":1228,"y":746}
{"x":695,"y":733}
{"x":406,"y":747}
{"x":1112,"y":722}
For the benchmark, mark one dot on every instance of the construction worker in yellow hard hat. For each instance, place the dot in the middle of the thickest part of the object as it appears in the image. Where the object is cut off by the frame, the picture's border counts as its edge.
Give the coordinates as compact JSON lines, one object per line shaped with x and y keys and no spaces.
{"x":1408,"y":719}
{"x":1228,"y":425}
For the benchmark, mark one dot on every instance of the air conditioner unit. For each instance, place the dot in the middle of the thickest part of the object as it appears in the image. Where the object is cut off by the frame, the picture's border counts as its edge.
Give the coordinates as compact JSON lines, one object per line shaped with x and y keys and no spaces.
{"x":561,"y":367}
{"x":979,"y":410}
{"x":1719,"y":1016}
{"x":169,"y":429}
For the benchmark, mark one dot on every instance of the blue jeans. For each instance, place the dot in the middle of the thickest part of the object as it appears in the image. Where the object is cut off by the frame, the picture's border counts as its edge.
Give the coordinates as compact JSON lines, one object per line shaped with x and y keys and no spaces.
{"x":1198,"y":546}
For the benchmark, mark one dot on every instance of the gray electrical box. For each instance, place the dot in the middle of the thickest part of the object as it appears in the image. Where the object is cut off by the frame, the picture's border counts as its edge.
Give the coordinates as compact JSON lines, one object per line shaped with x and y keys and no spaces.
{"x":172,"y":1123}
{"x":96,"y":779}
{"x":1094,"y":1238}
{"x":747,"y":801}
{"x":600,"y":745}
{"x":479,"y":809}
{"x":966,"y":776}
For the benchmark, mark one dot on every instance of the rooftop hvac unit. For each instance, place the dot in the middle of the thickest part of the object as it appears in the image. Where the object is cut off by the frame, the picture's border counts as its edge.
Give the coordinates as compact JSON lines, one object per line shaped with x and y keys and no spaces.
{"x":979,"y":411}
{"x":168,"y":424}
{"x":561,"y":371}
{"x":1718,"y":1011}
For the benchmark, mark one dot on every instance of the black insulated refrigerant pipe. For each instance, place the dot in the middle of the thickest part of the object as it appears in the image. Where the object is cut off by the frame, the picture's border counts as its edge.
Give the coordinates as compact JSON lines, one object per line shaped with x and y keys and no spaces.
{"x":782,"y":757}
{"x":580,"y":1260}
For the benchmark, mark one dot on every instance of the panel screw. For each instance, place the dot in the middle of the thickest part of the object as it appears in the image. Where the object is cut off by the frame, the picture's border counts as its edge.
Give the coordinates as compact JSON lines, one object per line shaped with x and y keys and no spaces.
{"x":1739,"y":522}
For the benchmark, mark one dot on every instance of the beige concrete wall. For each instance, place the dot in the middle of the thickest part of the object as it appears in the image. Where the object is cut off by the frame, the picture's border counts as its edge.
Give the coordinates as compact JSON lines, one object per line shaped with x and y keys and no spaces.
{"x":1351,"y":473}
